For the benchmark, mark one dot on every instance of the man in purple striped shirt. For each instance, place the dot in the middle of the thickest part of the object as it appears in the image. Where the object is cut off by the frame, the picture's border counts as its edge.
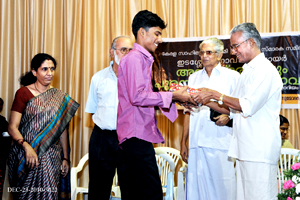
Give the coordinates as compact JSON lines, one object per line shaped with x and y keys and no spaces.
{"x":136,"y":122}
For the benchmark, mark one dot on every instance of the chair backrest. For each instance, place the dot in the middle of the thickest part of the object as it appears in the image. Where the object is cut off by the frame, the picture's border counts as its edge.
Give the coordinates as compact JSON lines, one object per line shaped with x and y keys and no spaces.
{"x":174,"y":153}
{"x":165,"y":164}
{"x":179,"y":190}
{"x":166,"y":169}
{"x":286,"y":160}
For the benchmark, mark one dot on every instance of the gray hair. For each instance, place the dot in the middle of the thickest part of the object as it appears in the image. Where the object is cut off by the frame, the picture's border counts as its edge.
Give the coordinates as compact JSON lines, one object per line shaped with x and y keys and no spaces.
{"x":248,"y":31}
{"x":218,"y":44}
{"x":114,"y":42}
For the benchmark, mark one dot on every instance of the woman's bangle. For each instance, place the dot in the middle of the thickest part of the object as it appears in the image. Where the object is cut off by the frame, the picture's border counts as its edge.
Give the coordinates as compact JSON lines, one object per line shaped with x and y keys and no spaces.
{"x":67,"y":160}
{"x":22,"y":141}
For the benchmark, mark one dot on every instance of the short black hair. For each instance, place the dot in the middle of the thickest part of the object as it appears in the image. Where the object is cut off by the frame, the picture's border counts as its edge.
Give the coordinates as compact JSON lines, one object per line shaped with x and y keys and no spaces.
{"x":1,"y":101}
{"x":146,"y":19}
{"x":283,"y":120}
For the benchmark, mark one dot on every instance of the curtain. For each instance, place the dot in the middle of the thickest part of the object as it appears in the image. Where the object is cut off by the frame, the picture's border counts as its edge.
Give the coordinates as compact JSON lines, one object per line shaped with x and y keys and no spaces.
{"x":78,"y":33}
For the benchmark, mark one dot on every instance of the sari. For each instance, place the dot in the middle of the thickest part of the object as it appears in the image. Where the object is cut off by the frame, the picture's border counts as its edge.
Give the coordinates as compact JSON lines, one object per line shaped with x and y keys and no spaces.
{"x":43,"y":121}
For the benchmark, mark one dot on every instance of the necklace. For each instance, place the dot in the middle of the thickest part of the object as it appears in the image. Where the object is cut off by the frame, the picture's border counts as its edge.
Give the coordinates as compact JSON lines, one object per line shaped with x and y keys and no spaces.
{"x":37,"y":89}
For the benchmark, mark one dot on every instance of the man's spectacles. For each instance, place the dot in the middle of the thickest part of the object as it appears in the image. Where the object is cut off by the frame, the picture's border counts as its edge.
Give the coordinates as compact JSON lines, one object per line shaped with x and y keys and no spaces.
{"x":208,"y":53}
{"x":235,"y":46}
{"x":124,"y":50}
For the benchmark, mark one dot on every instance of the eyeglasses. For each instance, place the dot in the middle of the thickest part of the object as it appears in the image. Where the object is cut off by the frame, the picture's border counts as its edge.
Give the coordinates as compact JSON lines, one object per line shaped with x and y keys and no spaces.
{"x":124,"y":50}
{"x":235,"y":46}
{"x":208,"y":53}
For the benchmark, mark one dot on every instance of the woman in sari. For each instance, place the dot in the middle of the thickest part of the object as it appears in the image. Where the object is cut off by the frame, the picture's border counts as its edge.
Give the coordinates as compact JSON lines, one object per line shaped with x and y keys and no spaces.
{"x":38,"y":125}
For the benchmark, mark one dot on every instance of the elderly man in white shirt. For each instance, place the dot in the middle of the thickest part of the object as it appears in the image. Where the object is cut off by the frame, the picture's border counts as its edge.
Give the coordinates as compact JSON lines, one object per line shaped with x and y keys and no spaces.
{"x":105,"y":155}
{"x":255,"y":107}
{"x":211,"y":173}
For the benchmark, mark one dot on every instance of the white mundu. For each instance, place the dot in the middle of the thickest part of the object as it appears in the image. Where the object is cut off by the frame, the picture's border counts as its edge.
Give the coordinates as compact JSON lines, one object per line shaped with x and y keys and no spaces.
{"x":210,"y":173}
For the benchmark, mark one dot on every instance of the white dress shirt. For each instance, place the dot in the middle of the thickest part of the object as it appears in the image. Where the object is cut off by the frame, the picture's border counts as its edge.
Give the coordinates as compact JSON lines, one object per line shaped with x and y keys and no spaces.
{"x":103,"y":98}
{"x":256,"y":135}
{"x":202,"y":131}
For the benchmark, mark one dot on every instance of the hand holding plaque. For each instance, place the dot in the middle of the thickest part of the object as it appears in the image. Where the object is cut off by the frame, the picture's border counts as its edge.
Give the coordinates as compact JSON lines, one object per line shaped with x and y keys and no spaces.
{"x":190,"y":103}
{"x":175,"y":87}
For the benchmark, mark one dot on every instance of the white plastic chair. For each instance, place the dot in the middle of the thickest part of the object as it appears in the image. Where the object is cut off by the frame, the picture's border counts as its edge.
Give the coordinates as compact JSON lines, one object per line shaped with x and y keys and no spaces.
{"x":75,"y":189}
{"x":166,"y":169}
{"x":115,"y":187}
{"x":286,"y":160}
{"x":179,"y":190}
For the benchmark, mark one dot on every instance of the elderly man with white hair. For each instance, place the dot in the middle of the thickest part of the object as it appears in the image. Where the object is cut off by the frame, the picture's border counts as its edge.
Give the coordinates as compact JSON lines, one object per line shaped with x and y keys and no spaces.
{"x":255,"y":106}
{"x":211,"y":173}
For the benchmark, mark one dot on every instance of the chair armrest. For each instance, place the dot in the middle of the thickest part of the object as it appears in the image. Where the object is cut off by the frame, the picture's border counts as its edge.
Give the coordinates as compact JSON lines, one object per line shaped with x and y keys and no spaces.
{"x":181,"y":180}
{"x":81,"y":163}
{"x":74,"y":172}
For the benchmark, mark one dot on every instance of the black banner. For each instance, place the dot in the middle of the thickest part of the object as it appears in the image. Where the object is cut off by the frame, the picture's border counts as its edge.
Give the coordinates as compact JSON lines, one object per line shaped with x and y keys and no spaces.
{"x":176,"y":59}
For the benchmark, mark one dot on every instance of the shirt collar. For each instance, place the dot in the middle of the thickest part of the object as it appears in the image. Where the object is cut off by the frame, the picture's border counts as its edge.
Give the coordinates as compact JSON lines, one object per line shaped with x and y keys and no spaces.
{"x":216,"y":69}
{"x":255,"y":61}
{"x":143,"y":51}
{"x":111,"y":68}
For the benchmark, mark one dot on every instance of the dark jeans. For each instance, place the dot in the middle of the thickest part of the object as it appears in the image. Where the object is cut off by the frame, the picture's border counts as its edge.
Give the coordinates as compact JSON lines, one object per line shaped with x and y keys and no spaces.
{"x":142,"y":177}
{"x":105,"y":156}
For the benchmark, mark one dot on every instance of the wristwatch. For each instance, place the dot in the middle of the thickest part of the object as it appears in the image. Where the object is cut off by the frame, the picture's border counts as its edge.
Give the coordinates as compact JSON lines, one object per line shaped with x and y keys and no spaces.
{"x":220,"y":101}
